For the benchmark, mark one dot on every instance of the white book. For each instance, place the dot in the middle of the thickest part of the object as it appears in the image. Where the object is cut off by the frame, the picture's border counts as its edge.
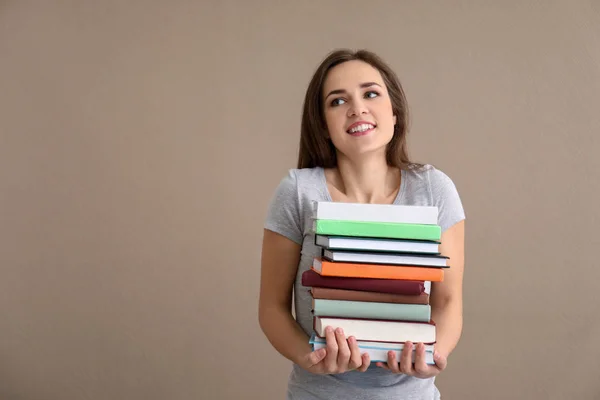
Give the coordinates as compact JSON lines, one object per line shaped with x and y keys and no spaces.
{"x":427,"y":287}
{"x":394,"y":213}
{"x":378,"y":330}
{"x":377,"y":244}
{"x":378,"y":351}
{"x":383,"y":258}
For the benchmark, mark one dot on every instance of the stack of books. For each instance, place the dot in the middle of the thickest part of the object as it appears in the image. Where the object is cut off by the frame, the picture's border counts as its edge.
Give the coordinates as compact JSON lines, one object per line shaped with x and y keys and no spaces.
{"x":373,"y":276}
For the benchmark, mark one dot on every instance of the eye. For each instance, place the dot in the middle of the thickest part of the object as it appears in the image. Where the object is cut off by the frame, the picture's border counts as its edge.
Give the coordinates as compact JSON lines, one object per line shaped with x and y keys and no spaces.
{"x":371,"y":94}
{"x":336,"y":102}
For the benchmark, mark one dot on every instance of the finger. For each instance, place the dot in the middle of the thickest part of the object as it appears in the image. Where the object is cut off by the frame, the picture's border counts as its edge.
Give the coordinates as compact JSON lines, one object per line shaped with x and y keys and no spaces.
{"x":392,"y":362}
{"x":316,"y":357}
{"x":355,"y":357}
{"x":343,"y":356}
{"x":382,"y":365}
{"x":330,"y":360}
{"x":440,"y":360}
{"x":406,"y":364}
{"x":421,"y":367}
{"x":366,"y":361}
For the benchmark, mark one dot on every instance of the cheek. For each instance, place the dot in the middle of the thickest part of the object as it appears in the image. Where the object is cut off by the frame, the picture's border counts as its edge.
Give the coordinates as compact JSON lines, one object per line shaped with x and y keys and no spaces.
{"x":335,"y":119}
{"x":386,"y":122}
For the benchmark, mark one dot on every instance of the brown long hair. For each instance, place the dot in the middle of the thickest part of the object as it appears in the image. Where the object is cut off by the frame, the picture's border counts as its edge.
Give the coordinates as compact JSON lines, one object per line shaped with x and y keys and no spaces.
{"x":316,"y":150}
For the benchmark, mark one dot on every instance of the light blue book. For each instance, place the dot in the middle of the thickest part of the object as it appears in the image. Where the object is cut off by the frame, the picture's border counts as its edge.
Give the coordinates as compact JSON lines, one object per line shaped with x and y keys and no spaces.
{"x":378,"y":351}
{"x":371,"y":310}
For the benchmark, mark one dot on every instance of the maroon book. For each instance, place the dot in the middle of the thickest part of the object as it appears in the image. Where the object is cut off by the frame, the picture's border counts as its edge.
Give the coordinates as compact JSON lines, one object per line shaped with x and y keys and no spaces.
{"x":312,"y":278}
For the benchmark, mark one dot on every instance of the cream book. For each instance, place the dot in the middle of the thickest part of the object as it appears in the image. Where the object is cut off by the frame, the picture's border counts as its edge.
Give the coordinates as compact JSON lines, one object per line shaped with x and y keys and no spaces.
{"x":379,"y":330}
{"x":395,"y":213}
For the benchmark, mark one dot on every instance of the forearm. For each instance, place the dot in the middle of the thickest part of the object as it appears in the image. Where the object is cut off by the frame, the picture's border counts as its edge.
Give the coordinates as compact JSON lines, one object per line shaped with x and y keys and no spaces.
{"x":284,"y":333}
{"x":449,"y":321}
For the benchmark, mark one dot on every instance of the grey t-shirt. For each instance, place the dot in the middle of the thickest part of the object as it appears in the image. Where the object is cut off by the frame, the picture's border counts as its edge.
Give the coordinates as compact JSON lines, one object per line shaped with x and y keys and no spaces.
{"x":289,"y":214}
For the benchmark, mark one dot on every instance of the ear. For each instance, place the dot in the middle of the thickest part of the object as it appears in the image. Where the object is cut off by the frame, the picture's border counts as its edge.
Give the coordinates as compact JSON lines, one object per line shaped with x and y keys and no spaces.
{"x":395,"y":120}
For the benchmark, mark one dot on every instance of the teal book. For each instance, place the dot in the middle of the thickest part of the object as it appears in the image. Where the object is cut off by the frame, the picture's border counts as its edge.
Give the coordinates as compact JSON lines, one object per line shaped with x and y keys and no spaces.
{"x":386,"y":230}
{"x":371,"y":310}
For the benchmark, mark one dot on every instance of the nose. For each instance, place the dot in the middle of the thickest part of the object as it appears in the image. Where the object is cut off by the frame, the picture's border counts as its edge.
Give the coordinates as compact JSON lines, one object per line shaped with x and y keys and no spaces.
{"x":357,"y":107}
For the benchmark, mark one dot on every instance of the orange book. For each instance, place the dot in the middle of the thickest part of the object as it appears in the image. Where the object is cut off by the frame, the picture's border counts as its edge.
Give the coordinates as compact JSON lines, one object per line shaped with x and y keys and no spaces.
{"x":377,"y":271}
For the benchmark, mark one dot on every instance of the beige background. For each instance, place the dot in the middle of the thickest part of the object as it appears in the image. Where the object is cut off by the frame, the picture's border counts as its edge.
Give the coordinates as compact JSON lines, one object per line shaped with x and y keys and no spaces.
{"x":141,"y":141}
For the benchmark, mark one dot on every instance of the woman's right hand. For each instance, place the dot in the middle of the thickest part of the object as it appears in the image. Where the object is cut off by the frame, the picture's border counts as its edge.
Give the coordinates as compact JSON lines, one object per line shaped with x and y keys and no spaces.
{"x":340,"y":355}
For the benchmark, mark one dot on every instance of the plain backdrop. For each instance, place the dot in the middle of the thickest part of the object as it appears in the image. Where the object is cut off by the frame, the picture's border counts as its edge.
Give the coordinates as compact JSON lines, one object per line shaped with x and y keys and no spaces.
{"x":140,"y":142}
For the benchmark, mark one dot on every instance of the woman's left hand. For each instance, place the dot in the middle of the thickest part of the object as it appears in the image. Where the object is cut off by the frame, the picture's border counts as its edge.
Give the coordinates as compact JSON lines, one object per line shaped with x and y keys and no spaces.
{"x":420,"y":368}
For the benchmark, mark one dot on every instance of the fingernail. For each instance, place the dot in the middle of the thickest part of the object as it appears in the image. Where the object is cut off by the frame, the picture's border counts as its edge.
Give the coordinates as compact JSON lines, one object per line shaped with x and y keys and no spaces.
{"x":328,"y":329}
{"x":340,"y":331}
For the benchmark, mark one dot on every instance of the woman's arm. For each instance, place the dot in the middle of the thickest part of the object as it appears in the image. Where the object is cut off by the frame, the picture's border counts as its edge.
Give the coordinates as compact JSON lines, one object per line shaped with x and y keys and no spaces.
{"x":279,"y":264}
{"x":446,"y":297}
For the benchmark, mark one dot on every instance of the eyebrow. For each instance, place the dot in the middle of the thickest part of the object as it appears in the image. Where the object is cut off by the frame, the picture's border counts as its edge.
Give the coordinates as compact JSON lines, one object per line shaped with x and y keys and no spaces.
{"x":362,"y":85}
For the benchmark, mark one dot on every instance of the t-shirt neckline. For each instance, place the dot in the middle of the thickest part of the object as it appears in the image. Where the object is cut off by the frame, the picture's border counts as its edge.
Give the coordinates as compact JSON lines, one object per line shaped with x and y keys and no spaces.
{"x":396,"y":200}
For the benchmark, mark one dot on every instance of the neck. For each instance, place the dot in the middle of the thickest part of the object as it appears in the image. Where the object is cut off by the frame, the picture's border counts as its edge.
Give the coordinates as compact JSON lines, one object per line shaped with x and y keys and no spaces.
{"x":369,"y":180}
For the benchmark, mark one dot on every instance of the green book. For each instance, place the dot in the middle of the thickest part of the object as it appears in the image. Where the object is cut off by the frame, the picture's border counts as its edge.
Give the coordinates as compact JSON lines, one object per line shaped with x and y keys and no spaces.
{"x":387,"y":230}
{"x":372,"y":310}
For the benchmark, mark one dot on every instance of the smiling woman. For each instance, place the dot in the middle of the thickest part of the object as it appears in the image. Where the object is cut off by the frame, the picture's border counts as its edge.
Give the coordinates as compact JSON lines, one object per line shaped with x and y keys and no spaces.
{"x":353,"y":149}
{"x":342,"y":76}
{"x":358,"y":110}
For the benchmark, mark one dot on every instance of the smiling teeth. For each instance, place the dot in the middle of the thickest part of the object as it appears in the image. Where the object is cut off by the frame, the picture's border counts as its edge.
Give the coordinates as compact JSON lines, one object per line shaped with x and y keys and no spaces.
{"x":361,"y":128}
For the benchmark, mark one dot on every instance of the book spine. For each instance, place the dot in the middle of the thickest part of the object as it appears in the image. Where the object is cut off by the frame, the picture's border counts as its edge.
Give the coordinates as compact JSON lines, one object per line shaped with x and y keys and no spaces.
{"x":380,"y":353}
{"x":377,"y":230}
{"x":361,"y":295}
{"x":354,"y":270}
{"x":312,"y":278}
{"x":376,"y":213}
{"x":385,"y":330}
{"x":368,"y":310}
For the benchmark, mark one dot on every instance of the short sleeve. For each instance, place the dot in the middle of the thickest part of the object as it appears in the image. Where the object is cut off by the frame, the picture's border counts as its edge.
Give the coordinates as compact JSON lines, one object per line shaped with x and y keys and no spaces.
{"x":445,"y":196}
{"x":283,"y":212}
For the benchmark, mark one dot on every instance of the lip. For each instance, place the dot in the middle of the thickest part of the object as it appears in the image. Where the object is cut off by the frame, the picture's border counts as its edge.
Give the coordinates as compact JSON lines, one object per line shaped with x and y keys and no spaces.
{"x":360,"y":123}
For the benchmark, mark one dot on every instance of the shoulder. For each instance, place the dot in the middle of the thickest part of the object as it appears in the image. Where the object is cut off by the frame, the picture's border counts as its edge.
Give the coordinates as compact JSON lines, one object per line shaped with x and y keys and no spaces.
{"x":301,"y":182}
{"x":437,"y":182}
{"x":441,"y":191}
{"x":307,"y":176}
{"x":290,"y":203}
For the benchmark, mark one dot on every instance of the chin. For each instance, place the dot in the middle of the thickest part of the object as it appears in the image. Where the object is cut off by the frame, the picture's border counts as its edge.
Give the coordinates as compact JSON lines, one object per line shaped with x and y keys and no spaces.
{"x":359,"y":152}
{"x":366,"y":144}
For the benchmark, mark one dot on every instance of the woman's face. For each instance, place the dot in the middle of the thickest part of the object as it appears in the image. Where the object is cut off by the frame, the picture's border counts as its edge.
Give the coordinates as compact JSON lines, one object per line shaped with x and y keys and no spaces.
{"x":358,"y":109}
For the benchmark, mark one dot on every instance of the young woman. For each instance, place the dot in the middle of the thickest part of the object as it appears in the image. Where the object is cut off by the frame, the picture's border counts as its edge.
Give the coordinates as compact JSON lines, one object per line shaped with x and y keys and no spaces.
{"x":353,"y":149}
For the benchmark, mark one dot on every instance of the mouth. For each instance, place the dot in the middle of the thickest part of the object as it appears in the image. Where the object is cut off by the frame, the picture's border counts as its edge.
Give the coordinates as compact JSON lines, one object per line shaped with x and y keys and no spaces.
{"x":361,"y":128}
